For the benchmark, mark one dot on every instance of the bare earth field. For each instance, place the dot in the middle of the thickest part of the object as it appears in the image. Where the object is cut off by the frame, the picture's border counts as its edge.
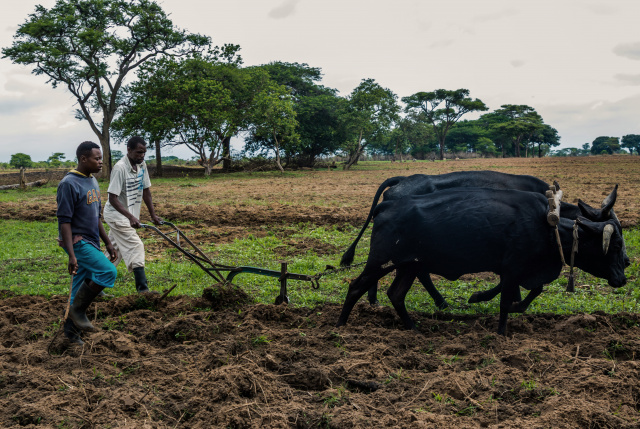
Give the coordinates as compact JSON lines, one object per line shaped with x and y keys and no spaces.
{"x":219,"y":361}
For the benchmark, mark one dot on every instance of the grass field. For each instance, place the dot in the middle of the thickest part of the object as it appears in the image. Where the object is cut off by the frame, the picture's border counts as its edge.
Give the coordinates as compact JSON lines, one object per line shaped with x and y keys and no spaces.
{"x":205,"y":357}
{"x":32,"y":263}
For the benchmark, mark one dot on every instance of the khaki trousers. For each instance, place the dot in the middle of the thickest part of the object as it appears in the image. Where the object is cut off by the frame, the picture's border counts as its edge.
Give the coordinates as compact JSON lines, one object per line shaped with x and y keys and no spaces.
{"x":127,"y":243}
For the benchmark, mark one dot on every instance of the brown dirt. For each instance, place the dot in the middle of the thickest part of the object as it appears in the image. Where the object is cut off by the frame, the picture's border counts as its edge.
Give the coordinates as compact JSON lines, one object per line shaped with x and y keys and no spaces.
{"x":220,"y":361}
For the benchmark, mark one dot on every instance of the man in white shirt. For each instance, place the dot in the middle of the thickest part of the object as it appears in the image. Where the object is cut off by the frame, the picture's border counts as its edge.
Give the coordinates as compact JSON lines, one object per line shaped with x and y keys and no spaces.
{"x":129,"y":186}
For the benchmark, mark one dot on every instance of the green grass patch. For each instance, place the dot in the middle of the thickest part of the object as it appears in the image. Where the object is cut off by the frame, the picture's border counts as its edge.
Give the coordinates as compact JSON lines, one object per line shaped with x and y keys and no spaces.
{"x":32,"y":263}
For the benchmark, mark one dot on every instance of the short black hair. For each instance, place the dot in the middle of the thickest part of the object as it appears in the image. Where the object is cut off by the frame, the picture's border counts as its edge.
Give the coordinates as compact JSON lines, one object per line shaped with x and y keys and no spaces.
{"x":85,"y":149}
{"x":135,"y":141}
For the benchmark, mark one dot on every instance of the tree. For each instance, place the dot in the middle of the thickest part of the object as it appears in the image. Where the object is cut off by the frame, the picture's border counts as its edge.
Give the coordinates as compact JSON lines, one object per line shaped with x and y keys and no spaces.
{"x":547,"y":137}
{"x":20,"y":160}
{"x":319,"y":110}
{"x":56,"y":158}
{"x":631,"y":142}
{"x":605,"y":145}
{"x":116,"y":155}
{"x":464,"y":135}
{"x":89,"y":47}
{"x":372,"y":110}
{"x":199,"y":101}
{"x":442,"y":108}
{"x":274,"y":119}
{"x":485,"y":146}
{"x":522,"y":123}
{"x":585,"y":149}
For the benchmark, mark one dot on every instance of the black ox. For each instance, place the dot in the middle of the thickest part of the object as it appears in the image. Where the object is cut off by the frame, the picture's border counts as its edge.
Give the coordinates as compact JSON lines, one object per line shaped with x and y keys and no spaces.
{"x":421,"y":184}
{"x":468,"y":230}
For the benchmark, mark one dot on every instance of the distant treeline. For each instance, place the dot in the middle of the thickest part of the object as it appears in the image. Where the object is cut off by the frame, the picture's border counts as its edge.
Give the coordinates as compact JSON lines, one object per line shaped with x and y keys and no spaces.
{"x":190,"y":93}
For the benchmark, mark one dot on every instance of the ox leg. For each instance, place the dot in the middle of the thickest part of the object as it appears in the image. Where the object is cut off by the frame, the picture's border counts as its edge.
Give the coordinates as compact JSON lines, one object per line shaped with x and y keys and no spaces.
{"x":438,"y":299}
{"x":373,"y":294}
{"x":488,"y":295}
{"x":357,"y":288}
{"x":398,"y":291}
{"x":521,"y":306}
{"x":506,"y":300}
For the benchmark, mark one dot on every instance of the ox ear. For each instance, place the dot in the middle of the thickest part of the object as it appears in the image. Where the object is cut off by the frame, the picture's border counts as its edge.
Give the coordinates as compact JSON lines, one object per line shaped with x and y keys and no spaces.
{"x":607,"y":203}
{"x":589,"y":212}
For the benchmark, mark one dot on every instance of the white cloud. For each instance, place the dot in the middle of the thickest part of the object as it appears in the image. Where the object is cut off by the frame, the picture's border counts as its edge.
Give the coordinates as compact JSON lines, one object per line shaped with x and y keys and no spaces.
{"x":497,"y":15}
{"x":285,"y":10}
{"x":628,"y":79}
{"x":628,"y":50}
{"x":445,"y":43}
{"x":582,"y":123}
{"x":568,"y":59}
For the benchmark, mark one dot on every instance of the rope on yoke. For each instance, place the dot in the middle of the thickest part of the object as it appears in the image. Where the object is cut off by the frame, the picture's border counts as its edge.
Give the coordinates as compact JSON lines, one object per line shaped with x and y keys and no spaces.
{"x":574,"y":250}
{"x":554,"y":196}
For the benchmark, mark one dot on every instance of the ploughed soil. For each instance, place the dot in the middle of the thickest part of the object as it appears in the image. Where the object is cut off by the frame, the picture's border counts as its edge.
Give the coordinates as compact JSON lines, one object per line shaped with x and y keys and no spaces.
{"x":215,"y":361}
{"x":219,"y":360}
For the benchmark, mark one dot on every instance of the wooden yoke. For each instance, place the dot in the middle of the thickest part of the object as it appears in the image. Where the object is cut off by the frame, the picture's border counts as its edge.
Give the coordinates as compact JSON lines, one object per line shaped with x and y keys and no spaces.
{"x":554,"y":196}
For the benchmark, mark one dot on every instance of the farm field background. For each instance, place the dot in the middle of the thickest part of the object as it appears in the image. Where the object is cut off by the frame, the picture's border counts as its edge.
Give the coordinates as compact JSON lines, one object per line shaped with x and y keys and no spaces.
{"x":227,"y":357}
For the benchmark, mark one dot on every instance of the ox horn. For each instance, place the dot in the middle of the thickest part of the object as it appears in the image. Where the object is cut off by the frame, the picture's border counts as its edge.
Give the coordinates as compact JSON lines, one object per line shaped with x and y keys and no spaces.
{"x":606,"y":238}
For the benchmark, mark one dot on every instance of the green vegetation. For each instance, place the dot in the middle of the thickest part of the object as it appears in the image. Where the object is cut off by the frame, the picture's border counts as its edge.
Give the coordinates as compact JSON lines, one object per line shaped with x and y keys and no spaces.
{"x":32,"y":263}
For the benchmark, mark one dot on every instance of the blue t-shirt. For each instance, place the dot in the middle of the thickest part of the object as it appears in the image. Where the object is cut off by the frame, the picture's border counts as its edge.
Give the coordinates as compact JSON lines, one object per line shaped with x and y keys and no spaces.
{"x":79,"y":204}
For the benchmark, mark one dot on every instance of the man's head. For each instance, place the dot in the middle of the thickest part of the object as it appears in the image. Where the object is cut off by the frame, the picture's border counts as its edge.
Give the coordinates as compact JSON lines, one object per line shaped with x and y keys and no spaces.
{"x":136,"y":149}
{"x":89,"y":157}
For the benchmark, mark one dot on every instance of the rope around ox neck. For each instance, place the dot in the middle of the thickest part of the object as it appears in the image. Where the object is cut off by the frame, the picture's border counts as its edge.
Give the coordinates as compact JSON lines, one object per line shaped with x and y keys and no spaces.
{"x":574,"y":250}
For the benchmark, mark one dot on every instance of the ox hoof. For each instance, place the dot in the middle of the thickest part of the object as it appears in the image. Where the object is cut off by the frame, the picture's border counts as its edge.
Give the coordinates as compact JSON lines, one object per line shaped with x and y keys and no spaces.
{"x":375,"y":303}
{"x":443,"y":305}
{"x":516,"y":307}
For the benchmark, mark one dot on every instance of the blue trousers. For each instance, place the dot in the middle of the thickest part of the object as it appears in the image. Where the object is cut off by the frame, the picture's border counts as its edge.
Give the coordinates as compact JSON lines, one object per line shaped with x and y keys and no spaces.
{"x":92,"y":265}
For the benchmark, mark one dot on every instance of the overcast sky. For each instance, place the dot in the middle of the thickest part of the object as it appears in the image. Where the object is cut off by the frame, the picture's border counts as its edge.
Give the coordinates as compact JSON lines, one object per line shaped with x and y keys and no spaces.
{"x":577,"y":62}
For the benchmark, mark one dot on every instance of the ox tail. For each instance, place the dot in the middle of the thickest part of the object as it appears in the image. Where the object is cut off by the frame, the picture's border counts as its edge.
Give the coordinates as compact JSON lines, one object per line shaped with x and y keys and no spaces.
{"x":347,"y":257}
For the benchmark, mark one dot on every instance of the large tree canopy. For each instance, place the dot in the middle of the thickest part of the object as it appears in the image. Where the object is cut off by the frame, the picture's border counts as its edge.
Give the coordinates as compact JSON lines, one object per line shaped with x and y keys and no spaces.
{"x":319,"y":110}
{"x":631,"y":142}
{"x":442,"y":108}
{"x":198,"y":102}
{"x":273,"y":119}
{"x":371,"y":111}
{"x":605,"y":145}
{"x":521,"y":124}
{"x":89,"y":47}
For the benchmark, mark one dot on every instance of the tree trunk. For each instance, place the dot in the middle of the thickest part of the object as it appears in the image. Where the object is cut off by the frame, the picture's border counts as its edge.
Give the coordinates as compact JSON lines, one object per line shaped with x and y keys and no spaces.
{"x":106,"y":155}
{"x":226,"y":153}
{"x":158,"y":160}
{"x":25,"y":185}
{"x":207,"y":168}
{"x":23,"y":181}
{"x":354,"y":158}
{"x":278,"y":153}
{"x":442,"y":148}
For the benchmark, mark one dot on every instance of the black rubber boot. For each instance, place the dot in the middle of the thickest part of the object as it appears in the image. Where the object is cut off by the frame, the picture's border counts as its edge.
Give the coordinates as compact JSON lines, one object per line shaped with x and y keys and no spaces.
{"x":72,"y":332}
{"x":78,"y":311}
{"x":141,"y":281}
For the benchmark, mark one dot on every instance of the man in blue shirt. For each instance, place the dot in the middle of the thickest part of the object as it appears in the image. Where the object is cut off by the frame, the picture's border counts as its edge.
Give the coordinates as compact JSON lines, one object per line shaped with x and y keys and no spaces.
{"x":80,"y":230}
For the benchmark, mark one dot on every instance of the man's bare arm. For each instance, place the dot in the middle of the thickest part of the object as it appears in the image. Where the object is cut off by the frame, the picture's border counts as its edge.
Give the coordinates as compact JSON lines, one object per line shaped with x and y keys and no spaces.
{"x":146,"y":197}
